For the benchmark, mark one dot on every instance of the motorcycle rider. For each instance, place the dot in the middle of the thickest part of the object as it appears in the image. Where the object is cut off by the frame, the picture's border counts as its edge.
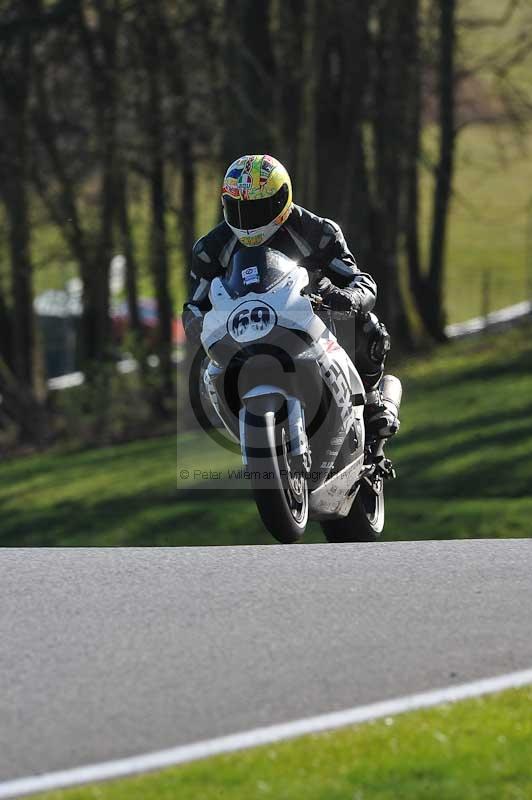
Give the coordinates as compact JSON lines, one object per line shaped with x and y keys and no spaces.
{"x":258,"y":209}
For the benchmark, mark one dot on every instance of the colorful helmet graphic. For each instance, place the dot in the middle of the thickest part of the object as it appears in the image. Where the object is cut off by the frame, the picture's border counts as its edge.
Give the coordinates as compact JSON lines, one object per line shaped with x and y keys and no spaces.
{"x":256,"y":198}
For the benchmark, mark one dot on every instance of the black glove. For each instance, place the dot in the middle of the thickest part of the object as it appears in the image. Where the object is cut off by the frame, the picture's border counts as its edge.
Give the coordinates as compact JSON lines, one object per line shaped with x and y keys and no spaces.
{"x":342,"y":302}
{"x":193,"y":325}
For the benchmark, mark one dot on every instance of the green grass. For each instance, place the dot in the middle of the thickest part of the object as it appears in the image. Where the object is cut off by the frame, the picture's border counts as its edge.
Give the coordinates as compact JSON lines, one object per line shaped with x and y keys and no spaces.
{"x":464,"y":452}
{"x":475,"y":750}
{"x":491,"y":216}
{"x":463,"y":455}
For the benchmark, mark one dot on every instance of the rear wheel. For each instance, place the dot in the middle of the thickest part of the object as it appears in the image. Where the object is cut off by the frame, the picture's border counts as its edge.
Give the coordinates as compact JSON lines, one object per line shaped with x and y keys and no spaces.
{"x":365,"y":521}
{"x":277,"y":478}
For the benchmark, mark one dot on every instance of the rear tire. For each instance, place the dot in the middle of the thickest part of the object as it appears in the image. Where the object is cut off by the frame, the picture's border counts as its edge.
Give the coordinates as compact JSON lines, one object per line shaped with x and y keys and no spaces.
{"x":365,"y":521}
{"x":282,"y":498}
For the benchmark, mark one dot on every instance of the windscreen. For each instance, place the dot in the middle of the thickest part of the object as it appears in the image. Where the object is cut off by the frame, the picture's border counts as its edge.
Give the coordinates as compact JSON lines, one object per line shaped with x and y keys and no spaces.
{"x":256,"y":269}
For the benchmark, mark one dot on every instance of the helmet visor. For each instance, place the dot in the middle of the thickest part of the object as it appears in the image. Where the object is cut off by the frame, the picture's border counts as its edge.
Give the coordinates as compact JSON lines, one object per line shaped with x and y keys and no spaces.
{"x":250,"y":214}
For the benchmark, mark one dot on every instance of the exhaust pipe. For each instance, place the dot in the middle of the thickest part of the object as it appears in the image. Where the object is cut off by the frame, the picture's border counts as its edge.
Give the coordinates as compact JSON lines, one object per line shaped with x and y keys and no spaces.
{"x":391,"y":391}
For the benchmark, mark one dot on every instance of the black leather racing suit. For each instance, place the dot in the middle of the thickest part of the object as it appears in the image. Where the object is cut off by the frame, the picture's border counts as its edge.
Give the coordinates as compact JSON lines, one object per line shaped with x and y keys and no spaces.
{"x":318,"y":245}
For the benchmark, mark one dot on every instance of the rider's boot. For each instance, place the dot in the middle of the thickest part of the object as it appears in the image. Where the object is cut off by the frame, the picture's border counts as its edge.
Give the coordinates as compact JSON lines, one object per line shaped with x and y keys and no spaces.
{"x":382,"y":408}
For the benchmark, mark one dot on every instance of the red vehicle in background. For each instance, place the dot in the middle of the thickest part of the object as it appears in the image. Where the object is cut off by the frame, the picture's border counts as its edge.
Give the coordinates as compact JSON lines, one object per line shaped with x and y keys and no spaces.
{"x":149,"y":319}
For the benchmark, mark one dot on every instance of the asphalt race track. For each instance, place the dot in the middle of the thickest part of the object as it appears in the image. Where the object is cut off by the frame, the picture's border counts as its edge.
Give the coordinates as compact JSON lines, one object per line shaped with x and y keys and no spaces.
{"x":106,"y":653}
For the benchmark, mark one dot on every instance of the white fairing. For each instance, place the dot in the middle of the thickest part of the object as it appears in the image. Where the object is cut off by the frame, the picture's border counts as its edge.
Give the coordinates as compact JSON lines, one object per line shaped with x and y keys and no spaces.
{"x":334,"y":359}
{"x":291,"y":310}
{"x":252,"y":317}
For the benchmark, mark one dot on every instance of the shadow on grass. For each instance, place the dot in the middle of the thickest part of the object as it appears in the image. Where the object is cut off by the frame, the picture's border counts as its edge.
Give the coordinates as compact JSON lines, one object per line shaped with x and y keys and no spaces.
{"x":147,"y":519}
{"x":503,"y":365}
{"x":484,"y":461}
{"x":63,"y":465}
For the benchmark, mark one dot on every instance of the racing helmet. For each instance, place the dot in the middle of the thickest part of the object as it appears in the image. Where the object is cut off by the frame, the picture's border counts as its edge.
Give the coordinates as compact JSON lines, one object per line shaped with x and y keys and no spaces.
{"x":256,"y":198}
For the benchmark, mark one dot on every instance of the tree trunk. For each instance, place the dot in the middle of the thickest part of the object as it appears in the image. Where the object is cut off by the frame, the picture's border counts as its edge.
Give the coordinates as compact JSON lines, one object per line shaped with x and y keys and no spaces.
{"x":15,"y":79}
{"x":128,"y":246}
{"x":6,"y":349}
{"x":412,"y":205}
{"x":288,"y":78}
{"x":307,"y":155}
{"x":248,"y":126}
{"x":20,"y":405}
{"x":342,"y":165}
{"x":389,"y":119}
{"x":100,"y":44}
{"x":427,"y":286}
{"x":104,"y":250}
{"x":444,"y":175}
{"x":159,"y":254}
{"x":159,"y":267}
{"x":21,"y":267}
{"x":188,"y":200}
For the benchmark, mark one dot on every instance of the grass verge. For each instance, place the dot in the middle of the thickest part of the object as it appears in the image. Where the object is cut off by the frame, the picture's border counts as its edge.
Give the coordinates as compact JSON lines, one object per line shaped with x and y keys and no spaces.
{"x":479,"y":749}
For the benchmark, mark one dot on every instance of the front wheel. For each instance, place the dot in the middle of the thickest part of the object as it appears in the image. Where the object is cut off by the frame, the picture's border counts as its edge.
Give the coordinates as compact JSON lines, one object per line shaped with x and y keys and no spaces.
{"x":277,"y":478}
{"x":365,"y":521}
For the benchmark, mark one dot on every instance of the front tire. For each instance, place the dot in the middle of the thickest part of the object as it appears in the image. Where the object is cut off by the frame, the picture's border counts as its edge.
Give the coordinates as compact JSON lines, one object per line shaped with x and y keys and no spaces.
{"x":365,"y":521}
{"x":278,"y":483}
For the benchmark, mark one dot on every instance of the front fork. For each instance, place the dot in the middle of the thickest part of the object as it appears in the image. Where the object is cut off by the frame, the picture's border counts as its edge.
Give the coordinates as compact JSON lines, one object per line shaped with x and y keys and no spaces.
{"x":298,"y":444}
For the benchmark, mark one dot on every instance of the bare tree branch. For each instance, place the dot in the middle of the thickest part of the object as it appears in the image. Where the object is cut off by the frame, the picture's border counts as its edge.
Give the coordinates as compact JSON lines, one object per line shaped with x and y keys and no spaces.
{"x":491,"y":22}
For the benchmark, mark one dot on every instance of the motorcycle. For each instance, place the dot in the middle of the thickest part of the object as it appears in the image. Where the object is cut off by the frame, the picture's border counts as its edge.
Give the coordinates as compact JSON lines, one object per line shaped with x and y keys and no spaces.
{"x":288,"y":393}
